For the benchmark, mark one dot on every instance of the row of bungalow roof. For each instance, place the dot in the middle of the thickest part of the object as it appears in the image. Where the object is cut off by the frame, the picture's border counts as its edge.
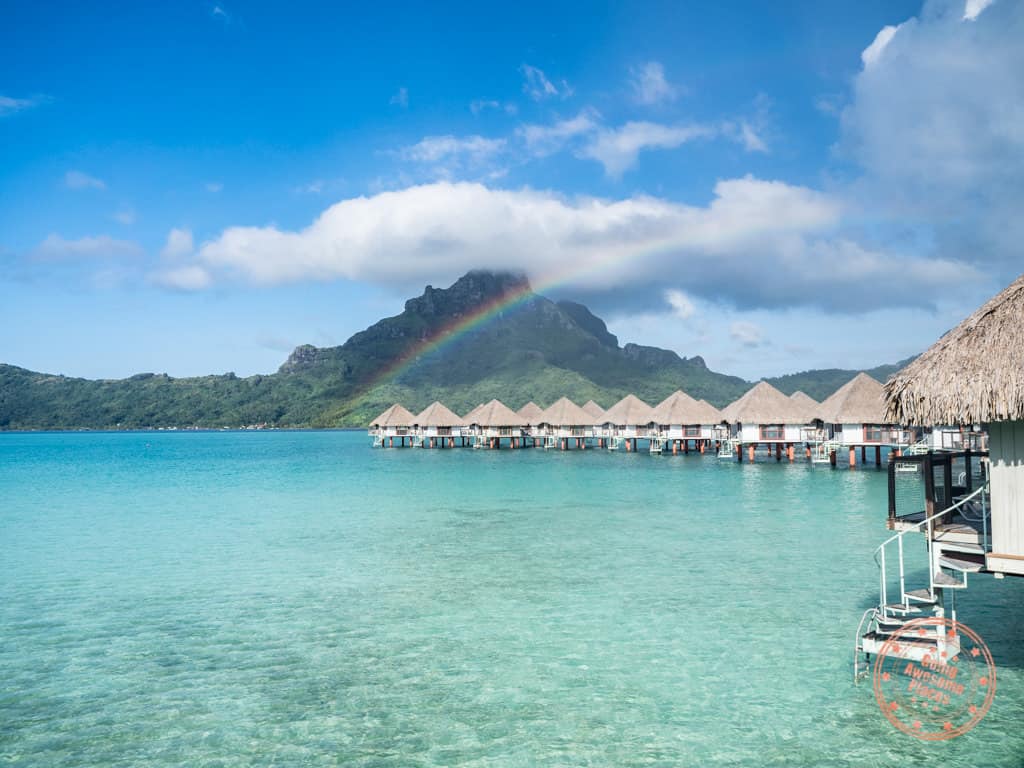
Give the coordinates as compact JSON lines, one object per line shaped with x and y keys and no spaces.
{"x":860,"y":401}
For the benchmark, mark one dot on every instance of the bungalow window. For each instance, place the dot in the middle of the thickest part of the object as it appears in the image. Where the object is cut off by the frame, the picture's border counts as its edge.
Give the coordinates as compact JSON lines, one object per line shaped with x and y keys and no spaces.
{"x":772,"y":432}
{"x":692,"y":430}
{"x":873,"y":433}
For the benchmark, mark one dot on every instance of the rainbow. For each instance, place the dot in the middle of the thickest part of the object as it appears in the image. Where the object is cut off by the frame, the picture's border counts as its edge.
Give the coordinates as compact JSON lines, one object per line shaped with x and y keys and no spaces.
{"x":452,"y":332}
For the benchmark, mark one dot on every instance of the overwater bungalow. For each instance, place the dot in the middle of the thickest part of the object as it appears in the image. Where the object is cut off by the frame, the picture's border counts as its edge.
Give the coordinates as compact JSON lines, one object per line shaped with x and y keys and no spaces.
{"x":854,"y":417}
{"x":564,"y":424}
{"x":808,"y":406}
{"x":971,"y":522}
{"x":395,"y":422}
{"x":493,"y":422}
{"x":764,"y":416}
{"x":627,"y":421}
{"x":438,"y":427}
{"x":530,"y":413}
{"x":683,"y":422}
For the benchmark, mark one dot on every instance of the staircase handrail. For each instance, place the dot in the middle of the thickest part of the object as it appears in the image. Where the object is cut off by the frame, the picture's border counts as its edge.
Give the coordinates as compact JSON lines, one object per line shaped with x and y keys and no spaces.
{"x":879,"y":554}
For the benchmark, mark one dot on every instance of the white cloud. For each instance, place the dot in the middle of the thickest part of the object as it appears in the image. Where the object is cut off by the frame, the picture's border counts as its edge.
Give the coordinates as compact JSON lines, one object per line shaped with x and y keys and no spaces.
{"x":650,"y":85}
{"x":188,"y":278}
{"x":218,"y":12}
{"x":10,"y":105}
{"x":974,"y":8}
{"x":873,"y":52}
{"x":179,"y":244}
{"x":758,"y":243}
{"x":617,"y":149}
{"x":435,"y":149}
{"x":746,"y":333}
{"x":542,"y":140}
{"x":400,"y":98}
{"x":483,"y":105}
{"x":56,"y":248}
{"x":214,"y":186}
{"x":936,"y":123}
{"x":537,"y":86}
{"x":79,"y":180}
{"x":682,"y":305}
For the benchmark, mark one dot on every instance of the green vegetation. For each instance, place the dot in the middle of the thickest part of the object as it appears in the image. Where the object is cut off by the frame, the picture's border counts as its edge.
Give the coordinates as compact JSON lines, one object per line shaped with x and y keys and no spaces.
{"x":536,"y":350}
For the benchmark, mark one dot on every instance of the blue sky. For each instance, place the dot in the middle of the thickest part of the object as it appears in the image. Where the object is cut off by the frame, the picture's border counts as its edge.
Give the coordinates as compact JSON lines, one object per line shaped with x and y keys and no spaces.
{"x":199,"y":187}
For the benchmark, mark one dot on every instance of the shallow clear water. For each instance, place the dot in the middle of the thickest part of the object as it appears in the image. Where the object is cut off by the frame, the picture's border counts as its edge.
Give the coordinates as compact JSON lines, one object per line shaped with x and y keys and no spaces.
{"x":300,"y":599}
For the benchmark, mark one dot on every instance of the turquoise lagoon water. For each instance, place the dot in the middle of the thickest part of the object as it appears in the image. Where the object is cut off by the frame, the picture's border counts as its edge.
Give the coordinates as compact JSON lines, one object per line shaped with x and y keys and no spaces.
{"x":300,"y":599}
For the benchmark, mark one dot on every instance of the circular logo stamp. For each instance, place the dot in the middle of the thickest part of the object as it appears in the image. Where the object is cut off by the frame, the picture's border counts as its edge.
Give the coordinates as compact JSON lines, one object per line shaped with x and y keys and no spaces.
{"x":934,"y":678}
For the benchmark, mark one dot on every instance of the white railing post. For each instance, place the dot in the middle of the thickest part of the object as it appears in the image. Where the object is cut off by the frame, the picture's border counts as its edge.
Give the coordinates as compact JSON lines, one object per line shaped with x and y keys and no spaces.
{"x":903,"y":583}
{"x":884,"y":599}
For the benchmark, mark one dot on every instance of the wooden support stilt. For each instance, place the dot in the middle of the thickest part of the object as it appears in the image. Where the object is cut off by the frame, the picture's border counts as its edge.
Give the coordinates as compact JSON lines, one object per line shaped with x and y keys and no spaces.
{"x":778,"y":451}
{"x":675,"y":447}
{"x":832,"y":458}
{"x":863,"y":454}
{"x":807,"y":450}
{"x":790,"y":452}
{"x":703,"y":445}
{"x":878,"y":455}
{"x":853,"y":457}
{"x":751,"y":448}
{"x":739,"y":453}
{"x":391,"y":442}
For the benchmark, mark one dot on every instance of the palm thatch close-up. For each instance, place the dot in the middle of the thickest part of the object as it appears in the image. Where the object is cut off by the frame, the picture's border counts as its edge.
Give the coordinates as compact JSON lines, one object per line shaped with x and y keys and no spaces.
{"x":763,"y":404}
{"x":629,"y":411}
{"x":972,"y":375}
{"x":808,"y":406}
{"x":531,"y":413}
{"x":565,"y":413}
{"x":495,"y":414}
{"x":679,"y":408}
{"x":438,"y":415}
{"x":861,"y":400}
{"x":395,"y":416}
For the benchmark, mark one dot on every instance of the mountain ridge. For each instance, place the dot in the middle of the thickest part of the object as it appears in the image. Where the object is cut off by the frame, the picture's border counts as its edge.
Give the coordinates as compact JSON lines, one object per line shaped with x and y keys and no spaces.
{"x":530,"y":348}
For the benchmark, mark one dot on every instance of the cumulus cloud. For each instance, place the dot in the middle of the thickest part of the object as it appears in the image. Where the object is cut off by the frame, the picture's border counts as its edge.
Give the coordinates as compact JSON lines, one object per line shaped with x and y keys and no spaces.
{"x":617,"y":149}
{"x":56,"y":248}
{"x":758,"y":243}
{"x":435,"y":149}
{"x":543,"y":140}
{"x":187,"y":278}
{"x":973,"y":8}
{"x":538,"y":87}
{"x":681,"y":304}
{"x":179,"y":244}
{"x":746,"y":333}
{"x":650,"y":86}
{"x":936,"y":123}
{"x":79,"y":180}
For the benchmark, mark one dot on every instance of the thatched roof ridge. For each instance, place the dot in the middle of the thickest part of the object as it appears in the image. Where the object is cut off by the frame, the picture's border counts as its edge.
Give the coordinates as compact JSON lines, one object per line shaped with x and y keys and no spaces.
{"x":565,"y":413}
{"x":861,"y":400}
{"x":496,"y":414}
{"x":714,"y":413}
{"x":763,"y":404}
{"x":972,"y":375}
{"x":530,"y":412}
{"x":630,"y":410}
{"x":809,"y":407}
{"x":438,"y":415}
{"x":680,"y":408}
{"x":395,"y":416}
{"x":595,"y":411}
{"x":470,"y":418}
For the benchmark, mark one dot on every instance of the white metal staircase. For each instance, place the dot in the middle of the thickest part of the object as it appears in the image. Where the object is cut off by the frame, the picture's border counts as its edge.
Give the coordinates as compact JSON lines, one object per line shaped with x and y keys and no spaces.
{"x":822,"y":452}
{"x":727,"y":449}
{"x":952,"y":554}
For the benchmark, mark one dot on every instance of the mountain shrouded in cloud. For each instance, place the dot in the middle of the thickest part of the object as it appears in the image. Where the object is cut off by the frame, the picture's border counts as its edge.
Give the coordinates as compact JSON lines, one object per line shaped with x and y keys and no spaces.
{"x":486,"y":336}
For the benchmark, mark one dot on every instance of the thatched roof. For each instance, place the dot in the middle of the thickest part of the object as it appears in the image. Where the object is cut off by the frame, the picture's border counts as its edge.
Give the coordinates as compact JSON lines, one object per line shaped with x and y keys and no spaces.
{"x":680,"y":408}
{"x":437,"y":415}
{"x":630,"y":410}
{"x":530,"y":412}
{"x":495,"y":414}
{"x":972,"y":375}
{"x":470,"y":418}
{"x":596,"y":411}
{"x":763,"y":404}
{"x":395,"y":416}
{"x":565,"y":413}
{"x":861,"y":400}
{"x":809,"y":407}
